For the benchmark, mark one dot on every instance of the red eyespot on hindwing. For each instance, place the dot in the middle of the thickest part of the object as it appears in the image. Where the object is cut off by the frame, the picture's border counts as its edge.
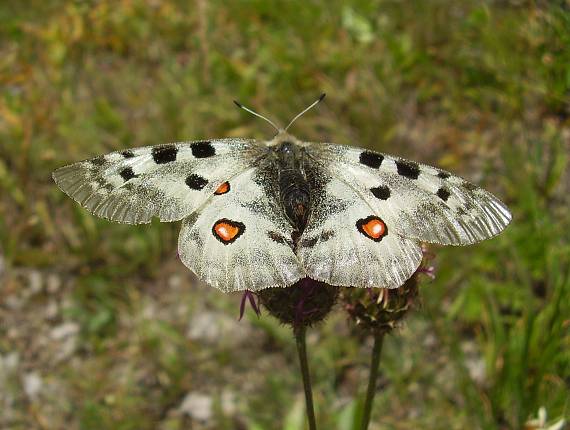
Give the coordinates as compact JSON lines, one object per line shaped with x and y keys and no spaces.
{"x":372,"y":227}
{"x":227,"y":231}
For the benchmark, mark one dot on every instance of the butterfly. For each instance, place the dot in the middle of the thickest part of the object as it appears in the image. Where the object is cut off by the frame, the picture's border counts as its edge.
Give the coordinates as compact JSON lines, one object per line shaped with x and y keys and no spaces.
{"x":261,"y":214}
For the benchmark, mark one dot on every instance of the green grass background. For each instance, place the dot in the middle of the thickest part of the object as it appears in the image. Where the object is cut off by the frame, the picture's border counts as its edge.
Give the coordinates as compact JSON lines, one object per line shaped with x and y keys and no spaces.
{"x":481,"y":88}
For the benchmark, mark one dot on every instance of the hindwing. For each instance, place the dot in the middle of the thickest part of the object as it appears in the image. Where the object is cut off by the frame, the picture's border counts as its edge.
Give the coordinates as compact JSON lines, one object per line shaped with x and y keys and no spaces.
{"x":345,"y":243}
{"x":241,"y":239}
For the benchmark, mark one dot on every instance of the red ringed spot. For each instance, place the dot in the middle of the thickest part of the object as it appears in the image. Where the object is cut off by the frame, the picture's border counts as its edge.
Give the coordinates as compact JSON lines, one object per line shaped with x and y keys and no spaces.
{"x":222,"y":189}
{"x":227,"y":231}
{"x":372,"y":227}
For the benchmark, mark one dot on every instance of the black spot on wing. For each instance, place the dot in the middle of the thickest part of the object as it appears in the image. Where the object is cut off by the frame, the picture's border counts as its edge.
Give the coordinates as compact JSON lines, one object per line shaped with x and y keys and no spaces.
{"x":443,"y":175}
{"x":164,"y":154}
{"x":327,"y":235}
{"x":99,"y":161}
{"x":443,"y":194}
{"x":127,"y":173}
{"x":104,"y":185}
{"x":203,"y":149}
{"x":127,"y":153}
{"x":371,"y":159}
{"x":196,"y":182}
{"x":278,"y":237}
{"x":129,"y":187}
{"x":382,"y":192}
{"x":408,"y":169}
{"x":310,"y":242}
{"x":469,"y":186}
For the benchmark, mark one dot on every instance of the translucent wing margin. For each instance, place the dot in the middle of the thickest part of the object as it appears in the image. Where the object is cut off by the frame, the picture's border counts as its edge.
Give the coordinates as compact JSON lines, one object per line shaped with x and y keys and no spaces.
{"x":165,"y":181}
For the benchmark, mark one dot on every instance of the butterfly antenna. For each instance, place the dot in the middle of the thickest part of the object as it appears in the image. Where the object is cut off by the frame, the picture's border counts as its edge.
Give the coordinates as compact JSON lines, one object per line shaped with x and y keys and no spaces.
{"x":316,"y":102}
{"x":239,"y":105}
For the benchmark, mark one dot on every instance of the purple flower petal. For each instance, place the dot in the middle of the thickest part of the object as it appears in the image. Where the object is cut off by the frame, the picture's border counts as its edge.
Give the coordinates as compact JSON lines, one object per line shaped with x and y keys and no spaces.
{"x":242,"y":305}
{"x":428,"y":271}
{"x":248,"y":296}
{"x":254,"y":305}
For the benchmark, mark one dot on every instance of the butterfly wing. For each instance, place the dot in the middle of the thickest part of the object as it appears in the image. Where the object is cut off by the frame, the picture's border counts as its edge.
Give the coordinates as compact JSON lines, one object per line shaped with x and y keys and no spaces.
{"x":241,"y":239}
{"x":418,"y":201}
{"x":346,"y":244}
{"x":166,"y":181}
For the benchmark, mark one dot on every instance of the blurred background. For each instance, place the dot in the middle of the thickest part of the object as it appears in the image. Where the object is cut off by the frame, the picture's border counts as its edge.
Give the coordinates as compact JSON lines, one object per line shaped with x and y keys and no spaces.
{"x":101,"y":327}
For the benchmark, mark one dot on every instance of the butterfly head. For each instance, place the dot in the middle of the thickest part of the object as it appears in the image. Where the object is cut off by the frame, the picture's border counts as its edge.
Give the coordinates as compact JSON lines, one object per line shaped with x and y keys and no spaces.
{"x":284,"y":140}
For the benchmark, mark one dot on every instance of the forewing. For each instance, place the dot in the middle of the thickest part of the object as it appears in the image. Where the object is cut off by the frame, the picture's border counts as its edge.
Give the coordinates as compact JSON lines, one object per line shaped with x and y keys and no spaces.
{"x":166,"y":181}
{"x":344,"y":244}
{"x":420,"y":202}
{"x":241,"y":240}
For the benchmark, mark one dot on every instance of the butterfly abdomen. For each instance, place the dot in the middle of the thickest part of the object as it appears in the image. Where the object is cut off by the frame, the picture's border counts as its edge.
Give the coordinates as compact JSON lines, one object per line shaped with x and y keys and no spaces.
{"x":294,"y":189}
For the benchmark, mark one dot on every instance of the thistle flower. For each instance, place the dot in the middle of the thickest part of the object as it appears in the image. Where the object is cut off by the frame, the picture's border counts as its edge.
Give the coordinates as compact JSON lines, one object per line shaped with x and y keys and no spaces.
{"x":377,"y":311}
{"x":301,"y":305}
{"x":305,"y":303}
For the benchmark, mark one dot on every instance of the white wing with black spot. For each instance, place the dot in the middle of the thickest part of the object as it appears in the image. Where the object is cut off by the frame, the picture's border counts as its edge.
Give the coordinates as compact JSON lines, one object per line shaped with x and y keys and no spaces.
{"x":417,"y":201}
{"x":241,"y":239}
{"x":346,"y":244}
{"x":165,"y":181}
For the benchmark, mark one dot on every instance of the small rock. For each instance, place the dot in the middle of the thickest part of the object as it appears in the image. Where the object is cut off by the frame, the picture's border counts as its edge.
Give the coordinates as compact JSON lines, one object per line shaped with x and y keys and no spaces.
{"x":32,"y":383}
{"x":13,"y":333}
{"x":228,"y":402}
{"x":13,"y":302}
{"x":53,"y":283}
{"x":66,"y":335}
{"x":430,"y":340}
{"x":197,"y":406}
{"x":9,"y":363}
{"x":35,"y":282}
{"x":149,"y":311}
{"x":474,"y":362}
{"x":66,"y":349}
{"x":64,"y":330}
{"x":52,"y":310}
{"x":477,"y":369}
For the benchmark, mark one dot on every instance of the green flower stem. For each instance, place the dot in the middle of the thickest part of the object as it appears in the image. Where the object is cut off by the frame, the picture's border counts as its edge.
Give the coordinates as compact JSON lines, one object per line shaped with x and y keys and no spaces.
{"x":302,"y":350}
{"x":374,"y":365}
